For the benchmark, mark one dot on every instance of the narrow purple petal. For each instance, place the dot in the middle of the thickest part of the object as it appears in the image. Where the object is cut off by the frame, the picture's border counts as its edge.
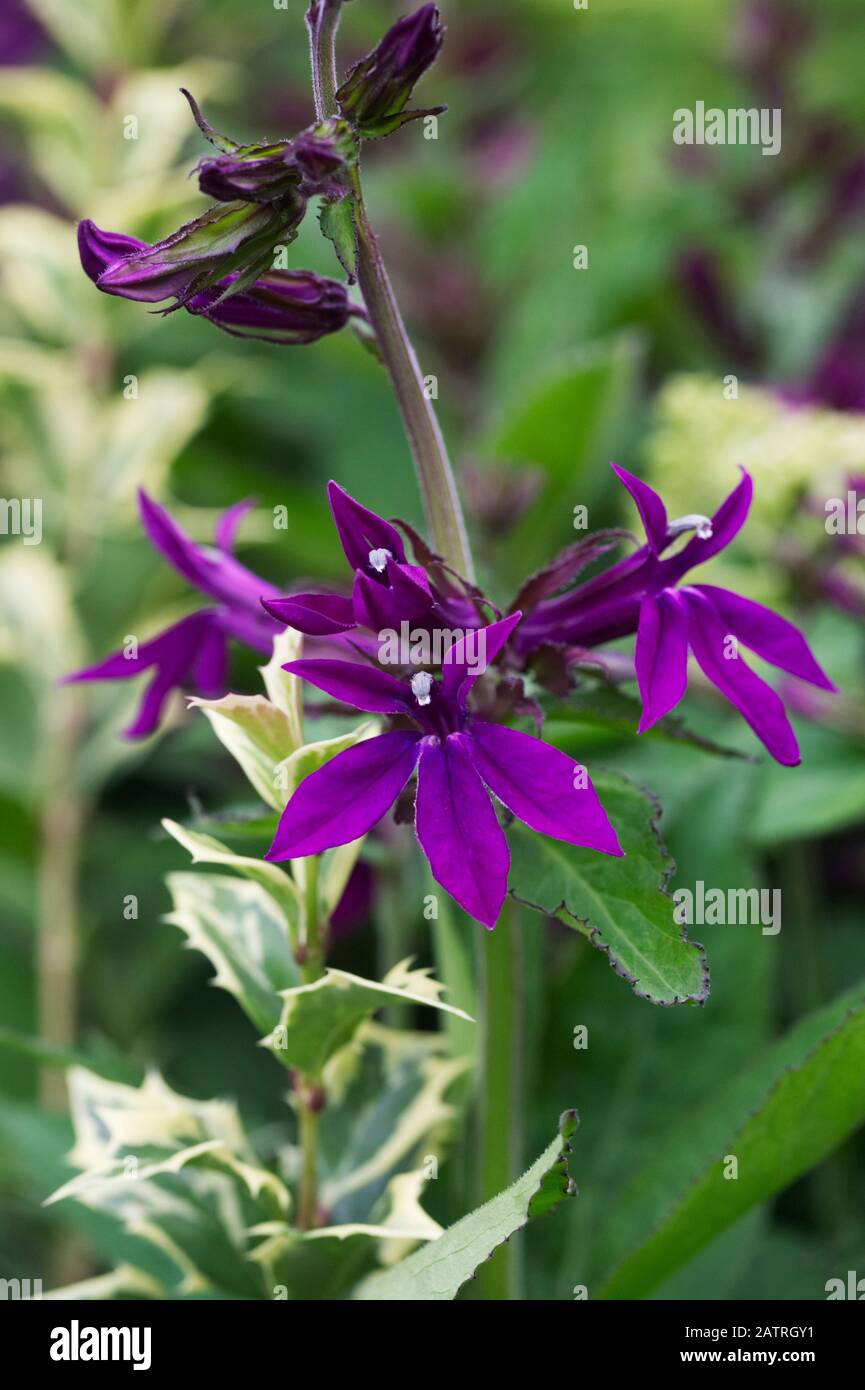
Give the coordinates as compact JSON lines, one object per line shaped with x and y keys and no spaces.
{"x":661,"y":657}
{"x":726,"y":524}
{"x":653,"y":513}
{"x":468,"y":658}
{"x":98,"y":249}
{"x":226,"y":526}
{"x":345,"y":798}
{"x":756,"y":701}
{"x":406,"y":597}
{"x":458,"y":829}
{"x":352,"y":682}
{"x":541,"y":785}
{"x":766,"y":633}
{"x":318,"y":615}
{"x":361,"y":530}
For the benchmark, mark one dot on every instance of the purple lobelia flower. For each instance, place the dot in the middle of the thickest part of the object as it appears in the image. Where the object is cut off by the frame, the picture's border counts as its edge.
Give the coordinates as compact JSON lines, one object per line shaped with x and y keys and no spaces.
{"x":387,"y":590}
{"x":459,"y":760}
{"x":282,"y":306}
{"x":642,"y":594}
{"x":193,"y":653}
{"x":376,"y":91}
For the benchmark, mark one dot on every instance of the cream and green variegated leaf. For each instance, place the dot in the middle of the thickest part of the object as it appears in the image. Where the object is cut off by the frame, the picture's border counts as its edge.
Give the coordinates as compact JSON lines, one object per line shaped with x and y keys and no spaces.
{"x":126,"y":1281}
{"x":327,"y":1262}
{"x":389,"y":1110}
{"x":176,"y":1172}
{"x":205,"y":849}
{"x":284,"y":690}
{"x":437,"y":1271}
{"x":318,"y":1019}
{"x":258,"y":735}
{"x":303,"y":761}
{"x":243,"y":934}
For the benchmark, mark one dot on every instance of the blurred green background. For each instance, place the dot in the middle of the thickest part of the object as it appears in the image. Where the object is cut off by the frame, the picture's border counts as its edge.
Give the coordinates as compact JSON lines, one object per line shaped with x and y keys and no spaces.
{"x":702,"y":264}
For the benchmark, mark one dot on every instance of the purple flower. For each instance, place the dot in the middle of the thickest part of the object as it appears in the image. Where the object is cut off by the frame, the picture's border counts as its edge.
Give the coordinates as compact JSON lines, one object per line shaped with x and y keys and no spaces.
{"x":641,"y":594}
{"x":193,"y":653}
{"x":375,"y":92}
{"x":387,"y":590}
{"x":282,"y":306}
{"x":459,"y":758}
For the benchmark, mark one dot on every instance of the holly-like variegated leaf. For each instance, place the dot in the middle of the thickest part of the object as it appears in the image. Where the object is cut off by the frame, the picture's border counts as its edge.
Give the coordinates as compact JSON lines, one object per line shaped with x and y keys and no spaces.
{"x":779,"y":1118}
{"x":439,"y":1269}
{"x":244,"y":936}
{"x":176,"y":1172}
{"x":319,"y":1018}
{"x":257,"y":734}
{"x":620,"y":905}
{"x":284,"y":690}
{"x":126,"y":1281}
{"x":275,"y":882}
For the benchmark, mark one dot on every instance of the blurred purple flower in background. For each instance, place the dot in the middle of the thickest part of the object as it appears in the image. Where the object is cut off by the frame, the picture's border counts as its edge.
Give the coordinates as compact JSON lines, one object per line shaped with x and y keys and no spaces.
{"x":193,"y":653}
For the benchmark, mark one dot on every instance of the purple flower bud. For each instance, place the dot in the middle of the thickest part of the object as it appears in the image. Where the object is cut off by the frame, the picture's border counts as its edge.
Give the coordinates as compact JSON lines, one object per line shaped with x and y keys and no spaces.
{"x":281,"y":307}
{"x":376,"y":90}
{"x":228,"y":238}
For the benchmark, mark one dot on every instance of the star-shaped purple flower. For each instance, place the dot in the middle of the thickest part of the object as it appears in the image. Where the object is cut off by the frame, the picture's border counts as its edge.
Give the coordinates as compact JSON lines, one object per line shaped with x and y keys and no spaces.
{"x":193,"y":653}
{"x":387,"y":590}
{"x":459,"y":758}
{"x":642,"y":594}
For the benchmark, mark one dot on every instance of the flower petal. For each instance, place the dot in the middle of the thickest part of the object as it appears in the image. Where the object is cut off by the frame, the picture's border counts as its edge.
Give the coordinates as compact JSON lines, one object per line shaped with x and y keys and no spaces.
{"x":537,"y":783}
{"x":653,"y":513}
{"x":345,"y":798}
{"x":661,"y":657}
{"x":458,"y":829}
{"x":226,"y":526}
{"x":405,"y":597}
{"x":361,"y":530}
{"x":756,"y":701}
{"x":766,"y":633}
{"x":467,"y":659}
{"x":318,"y":615}
{"x":354,"y":683}
{"x":726,"y":524}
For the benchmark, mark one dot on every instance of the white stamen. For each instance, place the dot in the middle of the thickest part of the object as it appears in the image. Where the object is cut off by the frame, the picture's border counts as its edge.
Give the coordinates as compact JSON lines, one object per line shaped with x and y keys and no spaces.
{"x":421,"y":685}
{"x":694,"y":521}
{"x":378,"y":559}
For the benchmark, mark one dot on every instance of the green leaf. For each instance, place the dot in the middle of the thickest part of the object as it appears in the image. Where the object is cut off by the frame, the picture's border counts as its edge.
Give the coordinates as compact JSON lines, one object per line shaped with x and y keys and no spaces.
{"x":258,"y":734}
{"x":302,"y":762}
{"x":620,"y":905}
{"x":778,"y":1119}
{"x":337,"y":224}
{"x":275,"y":881}
{"x":603,"y":707}
{"x":440,"y":1269}
{"x":238,"y":928}
{"x":284,"y":690}
{"x":319,"y":1018}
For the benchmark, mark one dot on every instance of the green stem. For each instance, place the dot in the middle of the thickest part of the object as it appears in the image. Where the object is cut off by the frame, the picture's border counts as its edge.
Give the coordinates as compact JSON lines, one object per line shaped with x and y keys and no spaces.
{"x":435,"y":475}
{"x":307,"y":1091}
{"x":500,"y":1079}
{"x":323,"y":22}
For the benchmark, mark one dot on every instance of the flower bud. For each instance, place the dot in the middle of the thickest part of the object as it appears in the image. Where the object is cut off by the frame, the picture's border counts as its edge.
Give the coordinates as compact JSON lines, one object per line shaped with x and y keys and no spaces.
{"x":374,"y":94}
{"x":289,"y":307}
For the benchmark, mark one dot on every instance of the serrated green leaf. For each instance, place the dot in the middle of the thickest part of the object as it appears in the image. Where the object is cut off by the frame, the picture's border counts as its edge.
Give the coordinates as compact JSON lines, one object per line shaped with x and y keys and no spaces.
{"x":438,"y":1271}
{"x":778,"y":1119}
{"x":237,"y":926}
{"x":619,"y":904}
{"x":320,"y":1018}
{"x":337,"y":224}
{"x":275,"y":882}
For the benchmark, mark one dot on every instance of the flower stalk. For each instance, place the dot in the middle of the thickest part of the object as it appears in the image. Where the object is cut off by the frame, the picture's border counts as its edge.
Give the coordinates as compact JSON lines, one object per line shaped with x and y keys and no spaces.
{"x":309,"y":1096}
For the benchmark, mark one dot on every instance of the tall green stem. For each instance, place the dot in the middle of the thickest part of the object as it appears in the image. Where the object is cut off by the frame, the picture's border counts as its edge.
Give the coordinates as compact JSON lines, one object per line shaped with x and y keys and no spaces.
{"x":435,"y":475}
{"x":308,"y":1094}
{"x":500,"y":1088}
